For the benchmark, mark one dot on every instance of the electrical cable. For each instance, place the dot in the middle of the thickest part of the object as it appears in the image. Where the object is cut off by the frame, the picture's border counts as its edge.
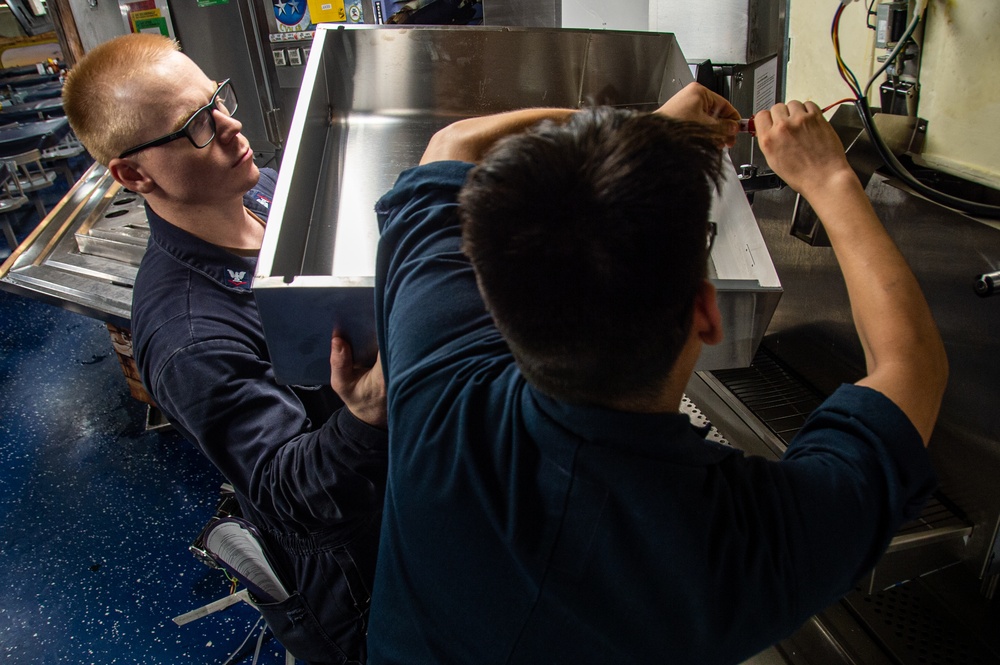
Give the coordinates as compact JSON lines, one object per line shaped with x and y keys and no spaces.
{"x":845,"y":72}
{"x":864,"y":111}
{"x":900,"y":171}
{"x":900,"y":45}
{"x":838,"y":103}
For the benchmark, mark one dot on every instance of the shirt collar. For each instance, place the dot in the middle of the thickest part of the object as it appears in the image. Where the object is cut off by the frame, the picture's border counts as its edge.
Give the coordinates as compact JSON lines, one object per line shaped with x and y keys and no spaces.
{"x":667,"y":436}
{"x":228,"y":269}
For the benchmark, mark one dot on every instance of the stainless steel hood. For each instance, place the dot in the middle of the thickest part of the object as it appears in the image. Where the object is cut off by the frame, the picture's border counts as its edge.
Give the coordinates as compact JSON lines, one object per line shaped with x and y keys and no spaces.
{"x":370,"y":100}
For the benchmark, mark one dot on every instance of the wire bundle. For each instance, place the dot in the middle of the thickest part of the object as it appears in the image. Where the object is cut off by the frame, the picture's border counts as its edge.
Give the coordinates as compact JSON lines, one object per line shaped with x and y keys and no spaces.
{"x":845,"y":72}
{"x":860,"y":99}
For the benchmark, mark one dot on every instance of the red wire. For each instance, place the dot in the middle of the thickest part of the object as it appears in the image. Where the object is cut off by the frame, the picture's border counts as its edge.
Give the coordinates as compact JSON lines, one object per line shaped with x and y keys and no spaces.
{"x":842,"y":101}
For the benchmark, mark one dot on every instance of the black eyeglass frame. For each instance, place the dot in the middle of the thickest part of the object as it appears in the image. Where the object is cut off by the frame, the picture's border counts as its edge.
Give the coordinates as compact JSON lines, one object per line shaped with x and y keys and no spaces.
{"x":713,"y":231}
{"x":183,"y":131}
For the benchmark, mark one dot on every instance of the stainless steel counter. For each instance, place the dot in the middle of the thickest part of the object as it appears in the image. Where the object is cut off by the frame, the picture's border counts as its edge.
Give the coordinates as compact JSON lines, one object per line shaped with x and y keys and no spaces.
{"x":84,"y":255}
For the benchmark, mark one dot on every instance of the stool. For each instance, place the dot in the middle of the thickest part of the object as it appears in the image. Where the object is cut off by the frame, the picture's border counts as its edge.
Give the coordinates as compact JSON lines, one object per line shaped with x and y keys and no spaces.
{"x":12,"y":198}
{"x":32,"y":176}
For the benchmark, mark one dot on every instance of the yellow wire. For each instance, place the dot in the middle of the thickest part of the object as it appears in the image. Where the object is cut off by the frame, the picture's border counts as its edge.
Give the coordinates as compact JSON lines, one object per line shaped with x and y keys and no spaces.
{"x":845,"y":71}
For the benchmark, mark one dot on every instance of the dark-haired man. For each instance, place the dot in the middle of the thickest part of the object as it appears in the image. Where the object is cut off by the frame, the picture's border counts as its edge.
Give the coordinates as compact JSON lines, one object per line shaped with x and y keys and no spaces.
{"x":541,"y":301}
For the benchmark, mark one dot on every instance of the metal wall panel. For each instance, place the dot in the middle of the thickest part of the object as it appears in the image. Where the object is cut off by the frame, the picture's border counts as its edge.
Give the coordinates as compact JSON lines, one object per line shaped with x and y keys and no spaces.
{"x":812,"y":330}
{"x":228,"y":40}
{"x":734,"y":32}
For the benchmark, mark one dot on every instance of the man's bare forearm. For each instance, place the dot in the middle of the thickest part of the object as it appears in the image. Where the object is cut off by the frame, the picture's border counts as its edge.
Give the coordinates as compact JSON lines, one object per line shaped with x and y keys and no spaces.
{"x":468,"y":140}
{"x":897,"y":331}
{"x":903,"y":349}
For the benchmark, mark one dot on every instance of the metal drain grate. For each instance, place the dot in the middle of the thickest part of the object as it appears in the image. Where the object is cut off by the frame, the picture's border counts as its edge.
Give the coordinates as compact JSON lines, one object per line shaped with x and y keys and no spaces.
{"x":909,"y":622}
{"x":119,"y":233}
{"x":782,"y":401}
{"x":775,"y":395}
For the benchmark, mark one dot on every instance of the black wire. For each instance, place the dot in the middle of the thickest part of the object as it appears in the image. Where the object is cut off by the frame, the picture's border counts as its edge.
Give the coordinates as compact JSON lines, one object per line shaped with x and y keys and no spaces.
{"x":897,"y":169}
{"x":869,"y":16}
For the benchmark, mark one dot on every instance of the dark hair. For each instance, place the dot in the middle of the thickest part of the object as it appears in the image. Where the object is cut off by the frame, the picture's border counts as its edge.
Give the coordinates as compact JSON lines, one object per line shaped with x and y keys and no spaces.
{"x":588,"y":240}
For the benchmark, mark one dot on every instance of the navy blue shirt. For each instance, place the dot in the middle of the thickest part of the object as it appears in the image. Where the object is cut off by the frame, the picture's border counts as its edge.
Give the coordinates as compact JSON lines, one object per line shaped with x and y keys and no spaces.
{"x":307,"y":472}
{"x":521,"y":529}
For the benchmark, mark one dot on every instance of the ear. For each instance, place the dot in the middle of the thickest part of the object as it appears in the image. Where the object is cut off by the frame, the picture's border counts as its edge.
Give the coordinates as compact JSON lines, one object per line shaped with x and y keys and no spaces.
{"x":131,"y":175}
{"x":707,"y":322}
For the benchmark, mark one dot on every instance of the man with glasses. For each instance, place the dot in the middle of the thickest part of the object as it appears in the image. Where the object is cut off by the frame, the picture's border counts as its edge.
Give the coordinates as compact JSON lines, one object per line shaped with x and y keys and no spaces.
{"x":200,"y":127}
{"x":307,"y":471}
{"x":541,"y":302}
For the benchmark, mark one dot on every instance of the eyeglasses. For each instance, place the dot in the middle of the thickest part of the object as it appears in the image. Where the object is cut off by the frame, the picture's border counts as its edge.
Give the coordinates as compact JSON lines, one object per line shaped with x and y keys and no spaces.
{"x":713,"y":230}
{"x":200,"y":127}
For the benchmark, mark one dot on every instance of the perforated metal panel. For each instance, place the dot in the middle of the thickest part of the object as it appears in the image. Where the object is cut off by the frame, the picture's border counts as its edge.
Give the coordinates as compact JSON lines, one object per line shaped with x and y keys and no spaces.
{"x":699,"y":419}
{"x":909,"y":622}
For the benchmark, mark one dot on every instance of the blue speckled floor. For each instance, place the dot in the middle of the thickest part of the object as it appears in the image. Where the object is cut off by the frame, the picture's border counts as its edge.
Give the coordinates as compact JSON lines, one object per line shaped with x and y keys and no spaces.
{"x":96,"y":513}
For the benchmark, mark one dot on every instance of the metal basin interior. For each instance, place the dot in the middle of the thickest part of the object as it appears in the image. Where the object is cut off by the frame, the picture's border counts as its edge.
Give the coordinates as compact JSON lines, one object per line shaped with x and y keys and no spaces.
{"x":371,"y":97}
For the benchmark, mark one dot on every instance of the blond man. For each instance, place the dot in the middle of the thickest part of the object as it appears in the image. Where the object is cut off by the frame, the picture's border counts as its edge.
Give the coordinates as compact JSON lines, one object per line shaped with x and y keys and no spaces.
{"x":308,"y":464}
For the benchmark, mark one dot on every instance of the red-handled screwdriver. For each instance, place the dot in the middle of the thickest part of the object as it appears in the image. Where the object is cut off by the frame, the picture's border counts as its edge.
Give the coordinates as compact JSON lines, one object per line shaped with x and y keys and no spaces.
{"x":746,"y":125}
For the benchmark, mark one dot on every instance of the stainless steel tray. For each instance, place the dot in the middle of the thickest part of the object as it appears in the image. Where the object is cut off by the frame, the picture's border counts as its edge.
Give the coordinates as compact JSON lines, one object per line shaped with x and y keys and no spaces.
{"x":84,"y":255}
{"x":371,"y":97}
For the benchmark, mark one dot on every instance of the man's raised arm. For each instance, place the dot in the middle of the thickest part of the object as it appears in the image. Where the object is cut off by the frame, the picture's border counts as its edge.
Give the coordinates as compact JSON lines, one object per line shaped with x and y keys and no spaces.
{"x":469,"y":139}
{"x":903,"y":350}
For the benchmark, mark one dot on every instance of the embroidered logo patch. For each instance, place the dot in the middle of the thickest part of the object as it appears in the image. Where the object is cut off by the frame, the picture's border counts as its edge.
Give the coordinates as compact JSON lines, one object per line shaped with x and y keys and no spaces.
{"x":264,"y":201}
{"x":237,"y":277}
